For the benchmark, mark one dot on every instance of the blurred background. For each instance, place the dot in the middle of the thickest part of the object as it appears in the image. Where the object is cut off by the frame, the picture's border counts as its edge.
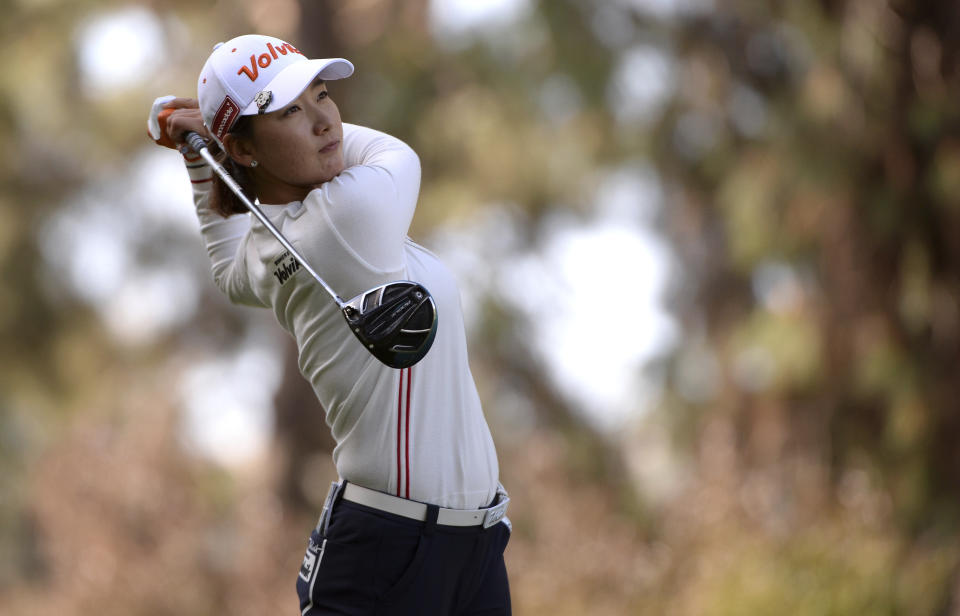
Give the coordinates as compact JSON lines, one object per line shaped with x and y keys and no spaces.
{"x":708,"y":253}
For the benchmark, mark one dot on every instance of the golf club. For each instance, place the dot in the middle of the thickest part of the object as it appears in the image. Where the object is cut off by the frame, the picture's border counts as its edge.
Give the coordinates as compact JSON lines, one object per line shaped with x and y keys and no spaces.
{"x":396,"y":322}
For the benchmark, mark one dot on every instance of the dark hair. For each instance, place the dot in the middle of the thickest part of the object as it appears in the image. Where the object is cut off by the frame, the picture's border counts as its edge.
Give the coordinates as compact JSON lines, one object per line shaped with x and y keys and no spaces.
{"x":222,"y":200}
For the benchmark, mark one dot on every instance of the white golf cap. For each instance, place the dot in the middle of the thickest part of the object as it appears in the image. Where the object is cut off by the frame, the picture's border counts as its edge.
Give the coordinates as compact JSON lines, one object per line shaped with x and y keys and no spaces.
{"x":253,"y":74}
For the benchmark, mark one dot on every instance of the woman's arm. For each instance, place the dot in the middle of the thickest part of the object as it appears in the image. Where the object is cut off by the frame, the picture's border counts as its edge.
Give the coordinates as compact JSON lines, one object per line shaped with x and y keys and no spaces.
{"x":371,"y":203}
{"x":222,"y":237}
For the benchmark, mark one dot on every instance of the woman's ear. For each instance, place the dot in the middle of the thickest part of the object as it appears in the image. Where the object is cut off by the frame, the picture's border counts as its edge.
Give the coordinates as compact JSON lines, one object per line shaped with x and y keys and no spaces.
{"x":238,"y":149}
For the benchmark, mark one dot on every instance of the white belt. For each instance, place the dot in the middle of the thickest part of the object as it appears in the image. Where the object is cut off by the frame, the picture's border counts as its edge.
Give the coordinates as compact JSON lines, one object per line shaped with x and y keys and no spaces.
{"x":418,"y":511}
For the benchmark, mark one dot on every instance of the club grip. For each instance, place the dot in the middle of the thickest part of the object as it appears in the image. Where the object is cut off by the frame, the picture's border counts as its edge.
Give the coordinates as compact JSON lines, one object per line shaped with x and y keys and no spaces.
{"x":195,"y":141}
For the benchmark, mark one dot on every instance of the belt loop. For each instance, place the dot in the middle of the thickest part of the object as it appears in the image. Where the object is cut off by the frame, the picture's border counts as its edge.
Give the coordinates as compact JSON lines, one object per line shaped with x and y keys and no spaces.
{"x":333,"y":497}
{"x":433,"y":512}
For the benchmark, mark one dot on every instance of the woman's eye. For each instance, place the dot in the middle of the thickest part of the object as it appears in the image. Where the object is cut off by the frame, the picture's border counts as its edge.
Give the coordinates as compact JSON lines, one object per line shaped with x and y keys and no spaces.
{"x":322,"y":95}
{"x":290,"y":110}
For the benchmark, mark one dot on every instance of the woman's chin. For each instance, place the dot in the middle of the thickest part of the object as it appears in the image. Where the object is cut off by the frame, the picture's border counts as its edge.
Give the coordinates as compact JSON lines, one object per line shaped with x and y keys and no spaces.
{"x":329,"y":175}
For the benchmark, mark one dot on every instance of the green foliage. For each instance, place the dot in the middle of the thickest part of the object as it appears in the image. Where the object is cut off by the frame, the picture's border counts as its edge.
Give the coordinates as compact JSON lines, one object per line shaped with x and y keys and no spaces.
{"x":829,"y":570}
{"x":849,"y":176}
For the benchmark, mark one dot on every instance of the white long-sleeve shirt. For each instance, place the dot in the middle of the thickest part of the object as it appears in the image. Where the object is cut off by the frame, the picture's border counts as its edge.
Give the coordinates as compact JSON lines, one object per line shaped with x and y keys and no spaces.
{"x":419,"y":433}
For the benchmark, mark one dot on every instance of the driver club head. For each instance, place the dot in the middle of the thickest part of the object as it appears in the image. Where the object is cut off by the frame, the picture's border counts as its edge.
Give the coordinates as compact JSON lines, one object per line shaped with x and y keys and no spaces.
{"x":396,"y":322}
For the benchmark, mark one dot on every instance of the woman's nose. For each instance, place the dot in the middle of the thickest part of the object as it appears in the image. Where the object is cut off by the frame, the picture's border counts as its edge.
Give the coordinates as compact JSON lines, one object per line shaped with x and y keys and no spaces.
{"x":321,"y":121}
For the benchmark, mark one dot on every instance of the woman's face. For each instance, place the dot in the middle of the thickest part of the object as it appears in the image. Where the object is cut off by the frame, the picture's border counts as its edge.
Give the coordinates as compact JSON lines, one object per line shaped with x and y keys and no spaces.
{"x":298,"y":147}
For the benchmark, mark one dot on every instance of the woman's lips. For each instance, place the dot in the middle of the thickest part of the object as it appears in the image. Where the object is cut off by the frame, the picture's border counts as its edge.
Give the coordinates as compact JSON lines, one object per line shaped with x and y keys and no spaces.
{"x":330,"y":147}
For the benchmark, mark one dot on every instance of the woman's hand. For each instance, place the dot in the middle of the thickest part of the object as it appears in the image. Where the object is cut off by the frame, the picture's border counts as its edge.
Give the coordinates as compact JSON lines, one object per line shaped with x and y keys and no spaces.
{"x":171,"y":117}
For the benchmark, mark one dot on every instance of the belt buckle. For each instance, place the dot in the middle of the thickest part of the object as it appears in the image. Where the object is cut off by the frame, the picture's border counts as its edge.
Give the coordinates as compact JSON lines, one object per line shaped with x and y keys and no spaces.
{"x":496,"y":513}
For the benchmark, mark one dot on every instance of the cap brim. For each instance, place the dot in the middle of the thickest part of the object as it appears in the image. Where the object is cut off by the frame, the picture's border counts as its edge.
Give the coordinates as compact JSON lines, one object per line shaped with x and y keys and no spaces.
{"x":294,"y":79}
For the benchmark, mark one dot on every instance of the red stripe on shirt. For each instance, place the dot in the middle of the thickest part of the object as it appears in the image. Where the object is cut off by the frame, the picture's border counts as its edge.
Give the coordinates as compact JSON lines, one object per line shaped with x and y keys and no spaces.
{"x":409,"y":387}
{"x":399,"y":432}
{"x":201,"y":181}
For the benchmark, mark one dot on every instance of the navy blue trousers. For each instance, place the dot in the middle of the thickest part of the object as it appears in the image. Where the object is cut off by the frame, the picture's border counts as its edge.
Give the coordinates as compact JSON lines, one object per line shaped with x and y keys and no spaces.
{"x":373,"y":562}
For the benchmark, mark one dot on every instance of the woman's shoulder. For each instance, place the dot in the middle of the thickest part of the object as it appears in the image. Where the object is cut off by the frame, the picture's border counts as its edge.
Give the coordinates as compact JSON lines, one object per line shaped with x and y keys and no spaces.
{"x":359,"y":141}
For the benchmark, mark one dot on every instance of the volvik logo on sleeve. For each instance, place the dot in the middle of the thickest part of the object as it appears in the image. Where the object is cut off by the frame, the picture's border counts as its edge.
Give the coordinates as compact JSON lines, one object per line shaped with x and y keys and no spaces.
{"x":285,"y":267}
{"x":264,"y":60}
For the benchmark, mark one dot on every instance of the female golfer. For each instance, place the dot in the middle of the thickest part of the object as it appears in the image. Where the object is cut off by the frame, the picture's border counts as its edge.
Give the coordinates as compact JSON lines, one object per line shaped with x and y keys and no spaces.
{"x":416,"y":524}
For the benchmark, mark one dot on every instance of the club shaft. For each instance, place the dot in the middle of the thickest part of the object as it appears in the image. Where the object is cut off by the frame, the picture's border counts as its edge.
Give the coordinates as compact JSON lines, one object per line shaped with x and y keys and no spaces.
{"x":197,"y":144}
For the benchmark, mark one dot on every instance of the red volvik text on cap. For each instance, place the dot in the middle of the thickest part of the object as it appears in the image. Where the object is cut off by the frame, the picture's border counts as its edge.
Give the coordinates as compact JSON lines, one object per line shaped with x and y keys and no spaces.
{"x":265,"y":59}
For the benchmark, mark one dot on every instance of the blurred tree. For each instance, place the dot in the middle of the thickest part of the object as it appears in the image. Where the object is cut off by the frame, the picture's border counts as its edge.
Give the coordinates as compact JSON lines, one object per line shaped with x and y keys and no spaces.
{"x":811,"y":150}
